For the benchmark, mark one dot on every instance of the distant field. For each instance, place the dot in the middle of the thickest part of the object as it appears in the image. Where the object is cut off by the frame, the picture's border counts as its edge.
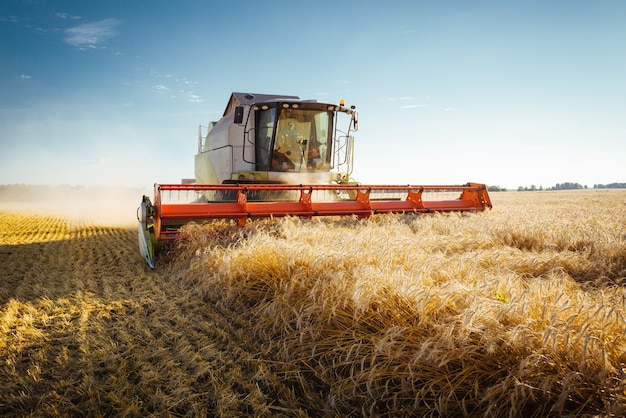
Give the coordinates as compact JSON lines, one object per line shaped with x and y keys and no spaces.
{"x":518,"y":311}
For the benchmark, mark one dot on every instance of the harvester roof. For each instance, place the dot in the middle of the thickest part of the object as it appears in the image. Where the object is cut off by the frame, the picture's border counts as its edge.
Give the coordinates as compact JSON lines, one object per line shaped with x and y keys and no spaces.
{"x":238,"y":99}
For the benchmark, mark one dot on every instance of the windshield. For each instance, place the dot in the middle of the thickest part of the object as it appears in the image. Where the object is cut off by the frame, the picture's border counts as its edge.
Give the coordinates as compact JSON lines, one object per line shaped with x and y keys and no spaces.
{"x":302,"y":140}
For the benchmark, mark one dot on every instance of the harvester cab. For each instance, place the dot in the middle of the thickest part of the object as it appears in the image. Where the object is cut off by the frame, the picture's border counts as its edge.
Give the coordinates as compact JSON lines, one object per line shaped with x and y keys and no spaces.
{"x":271,"y":156}
{"x":273,"y":139}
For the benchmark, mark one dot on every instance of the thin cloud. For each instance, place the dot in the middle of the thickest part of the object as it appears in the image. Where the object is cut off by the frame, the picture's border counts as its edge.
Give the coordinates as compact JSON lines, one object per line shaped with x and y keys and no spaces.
{"x":92,"y":35}
{"x":178,"y":87}
{"x":25,"y":76}
{"x":64,"y":16}
{"x":413,"y":106}
{"x":160,"y":89}
{"x":10,"y":19}
{"x":194,"y":98}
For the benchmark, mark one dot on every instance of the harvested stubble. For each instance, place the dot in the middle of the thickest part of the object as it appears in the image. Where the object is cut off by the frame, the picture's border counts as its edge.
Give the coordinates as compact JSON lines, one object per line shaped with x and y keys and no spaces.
{"x":514,"y":312}
{"x":87,"y":329}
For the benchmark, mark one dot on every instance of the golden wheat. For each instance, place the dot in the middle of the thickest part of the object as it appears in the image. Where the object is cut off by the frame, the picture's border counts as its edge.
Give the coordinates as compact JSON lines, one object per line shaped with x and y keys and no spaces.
{"x":514,"y":312}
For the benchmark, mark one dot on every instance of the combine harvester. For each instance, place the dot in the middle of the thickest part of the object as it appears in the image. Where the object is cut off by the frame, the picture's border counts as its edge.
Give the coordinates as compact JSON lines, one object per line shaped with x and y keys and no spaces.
{"x":271,"y":156}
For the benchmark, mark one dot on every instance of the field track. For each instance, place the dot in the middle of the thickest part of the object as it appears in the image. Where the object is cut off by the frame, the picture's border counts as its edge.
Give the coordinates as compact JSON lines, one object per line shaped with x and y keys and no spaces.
{"x":88,"y":329}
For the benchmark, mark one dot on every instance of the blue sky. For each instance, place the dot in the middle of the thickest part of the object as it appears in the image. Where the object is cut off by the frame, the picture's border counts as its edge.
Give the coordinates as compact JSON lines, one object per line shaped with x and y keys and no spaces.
{"x":508,"y":93}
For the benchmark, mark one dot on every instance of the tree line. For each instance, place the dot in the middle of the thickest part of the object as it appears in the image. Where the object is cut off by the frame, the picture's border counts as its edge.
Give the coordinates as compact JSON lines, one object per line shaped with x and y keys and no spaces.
{"x":560,"y":186}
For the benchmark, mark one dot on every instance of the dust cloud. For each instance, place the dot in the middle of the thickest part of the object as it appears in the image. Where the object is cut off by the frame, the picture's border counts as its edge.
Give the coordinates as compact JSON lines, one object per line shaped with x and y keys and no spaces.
{"x":302,"y":177}
{"x":106,"y":206}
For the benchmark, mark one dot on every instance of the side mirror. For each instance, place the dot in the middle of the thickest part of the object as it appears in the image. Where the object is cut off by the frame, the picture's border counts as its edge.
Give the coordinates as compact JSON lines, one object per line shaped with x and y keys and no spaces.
{"x":238,"y":115}
{"x":355,"y":121}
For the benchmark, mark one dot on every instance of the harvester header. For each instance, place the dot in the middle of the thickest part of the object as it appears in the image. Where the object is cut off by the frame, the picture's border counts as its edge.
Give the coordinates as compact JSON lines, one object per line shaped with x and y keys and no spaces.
{"x":273,"y":156}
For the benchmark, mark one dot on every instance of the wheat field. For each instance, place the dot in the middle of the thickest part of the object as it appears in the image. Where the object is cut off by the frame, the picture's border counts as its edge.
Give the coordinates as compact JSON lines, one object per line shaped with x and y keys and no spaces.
{"x":514,"y":312}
